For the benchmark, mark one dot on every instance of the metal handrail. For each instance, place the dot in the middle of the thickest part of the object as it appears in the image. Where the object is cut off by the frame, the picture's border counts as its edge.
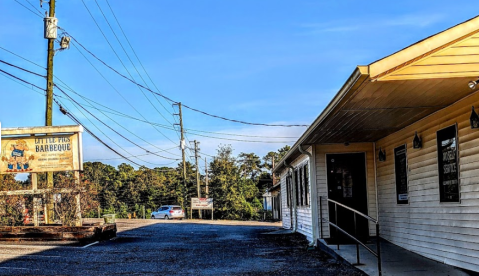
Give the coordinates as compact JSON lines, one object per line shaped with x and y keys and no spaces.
{"x":358,"y":242}
{"x":355,"y":211}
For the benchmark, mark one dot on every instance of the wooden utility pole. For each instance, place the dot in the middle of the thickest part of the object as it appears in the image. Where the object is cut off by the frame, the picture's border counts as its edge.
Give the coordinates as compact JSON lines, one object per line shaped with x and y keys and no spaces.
{"x":49,"y":108}
{"x":197,"y":173}
{"x":206,"y":178}
{"x":183,"y":146}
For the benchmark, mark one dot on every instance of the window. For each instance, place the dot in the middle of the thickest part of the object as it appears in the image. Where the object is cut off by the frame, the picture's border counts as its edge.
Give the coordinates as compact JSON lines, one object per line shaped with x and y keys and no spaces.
{"x":306,"y":184}
{"x":301,"y":175}
{"x":400,"y":169}
{"x":448,"y":164}
{"x":288,"y":190}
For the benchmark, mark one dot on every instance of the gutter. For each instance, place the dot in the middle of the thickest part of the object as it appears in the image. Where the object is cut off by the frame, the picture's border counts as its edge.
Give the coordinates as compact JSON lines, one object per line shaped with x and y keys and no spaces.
{"x":314,"y":197}
{"x":293,"y":200}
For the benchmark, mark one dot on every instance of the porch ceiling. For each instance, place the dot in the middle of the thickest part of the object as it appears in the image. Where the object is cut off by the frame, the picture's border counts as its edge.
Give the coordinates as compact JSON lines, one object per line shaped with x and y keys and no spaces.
{"x":379,"y":108}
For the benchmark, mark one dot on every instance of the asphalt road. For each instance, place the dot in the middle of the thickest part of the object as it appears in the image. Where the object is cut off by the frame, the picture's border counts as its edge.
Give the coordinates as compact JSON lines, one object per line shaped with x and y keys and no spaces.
{"x":157,"y":247}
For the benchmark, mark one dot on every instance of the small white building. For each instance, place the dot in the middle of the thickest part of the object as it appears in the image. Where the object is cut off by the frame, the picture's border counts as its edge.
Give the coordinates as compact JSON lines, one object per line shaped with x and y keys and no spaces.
{"x":400,"y":144}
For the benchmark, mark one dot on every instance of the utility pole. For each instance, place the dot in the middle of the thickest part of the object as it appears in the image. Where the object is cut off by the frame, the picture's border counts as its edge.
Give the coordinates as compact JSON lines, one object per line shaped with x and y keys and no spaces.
{"x":197,"y":173}
{"x":49,"y":102}
{"x":206,"y":178}
{"x":182,"y":145}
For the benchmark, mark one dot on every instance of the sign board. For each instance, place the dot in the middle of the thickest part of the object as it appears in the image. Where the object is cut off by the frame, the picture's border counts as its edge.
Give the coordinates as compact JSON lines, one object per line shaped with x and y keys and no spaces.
{"x":448,"y":164}
{"x":400,"y":166}
{"x":202,"y":203}
{"x":42,"y":149}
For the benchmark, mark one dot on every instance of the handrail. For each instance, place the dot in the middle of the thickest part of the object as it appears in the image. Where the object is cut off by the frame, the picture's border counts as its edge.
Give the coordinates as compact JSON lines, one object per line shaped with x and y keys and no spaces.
{"x":358,"y":242}
{"x":352,"y":237}
{"x":357,"y":212}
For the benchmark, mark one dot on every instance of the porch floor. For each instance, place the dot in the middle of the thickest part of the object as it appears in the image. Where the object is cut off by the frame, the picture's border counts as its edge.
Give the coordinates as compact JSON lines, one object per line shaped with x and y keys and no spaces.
{"x":395,"y":261}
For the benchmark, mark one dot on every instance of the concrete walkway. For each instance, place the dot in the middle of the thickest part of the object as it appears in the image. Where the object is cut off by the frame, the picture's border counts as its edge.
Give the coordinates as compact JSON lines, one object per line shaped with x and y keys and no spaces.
{"x":395,"y":261}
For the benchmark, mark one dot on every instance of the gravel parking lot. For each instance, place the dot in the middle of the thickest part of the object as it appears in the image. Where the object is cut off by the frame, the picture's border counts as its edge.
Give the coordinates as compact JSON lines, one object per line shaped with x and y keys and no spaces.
{"x":158,"y":247}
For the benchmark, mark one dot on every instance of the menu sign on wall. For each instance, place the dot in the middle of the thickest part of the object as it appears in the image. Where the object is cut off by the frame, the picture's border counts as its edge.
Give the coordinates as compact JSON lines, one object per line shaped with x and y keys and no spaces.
{"x":400,"y":165}
{"x":448,"y":164}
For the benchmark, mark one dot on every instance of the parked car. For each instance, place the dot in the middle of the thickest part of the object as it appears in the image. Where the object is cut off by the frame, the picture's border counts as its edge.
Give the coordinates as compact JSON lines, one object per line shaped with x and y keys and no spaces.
{"x":169,"y":212}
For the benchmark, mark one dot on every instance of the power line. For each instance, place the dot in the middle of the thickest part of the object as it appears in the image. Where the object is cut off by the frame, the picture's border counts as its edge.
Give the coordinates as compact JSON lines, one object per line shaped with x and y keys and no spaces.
{"x":102,"y":112}
{"x":191,"y":131}
{"x":157,"y":93}
{"x":119,"y":134}
{"x":167,"y":98}
{"x":28,"y":9}
{"x":23,"y":69}
{"x":116,"y":54}
{"x":72,"y":117}
{"x":134,"y":52}
{"x":128,"y":56}
{"x":22,"y":58}
{"x":118,"y":92}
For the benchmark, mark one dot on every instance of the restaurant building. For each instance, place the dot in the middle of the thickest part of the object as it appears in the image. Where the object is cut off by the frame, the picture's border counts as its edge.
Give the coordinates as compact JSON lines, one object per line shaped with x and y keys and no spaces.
{"x":398,"y":143}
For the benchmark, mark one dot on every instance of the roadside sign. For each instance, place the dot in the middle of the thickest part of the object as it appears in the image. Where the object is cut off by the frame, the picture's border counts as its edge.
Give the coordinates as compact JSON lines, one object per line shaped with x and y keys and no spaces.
{"x":202,"y":203}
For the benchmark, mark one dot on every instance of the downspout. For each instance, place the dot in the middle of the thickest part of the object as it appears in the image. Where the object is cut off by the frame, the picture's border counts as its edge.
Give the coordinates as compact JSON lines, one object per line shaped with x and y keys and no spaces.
{"x":314,"y":197}
{"x":293,"y":200}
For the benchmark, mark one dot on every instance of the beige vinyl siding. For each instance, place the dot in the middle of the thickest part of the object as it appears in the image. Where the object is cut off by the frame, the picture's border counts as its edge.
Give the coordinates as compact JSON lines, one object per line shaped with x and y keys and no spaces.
{"x":443,"y":231}
{"x":321,"y":178}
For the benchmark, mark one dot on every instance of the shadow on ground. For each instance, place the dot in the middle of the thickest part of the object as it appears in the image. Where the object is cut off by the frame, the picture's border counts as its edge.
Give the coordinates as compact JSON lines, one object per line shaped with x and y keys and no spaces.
{"x":177,"y":249}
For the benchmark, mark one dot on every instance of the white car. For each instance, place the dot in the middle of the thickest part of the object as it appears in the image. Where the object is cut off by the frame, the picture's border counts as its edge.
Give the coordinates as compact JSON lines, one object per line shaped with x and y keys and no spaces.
{"x":169,"y":212}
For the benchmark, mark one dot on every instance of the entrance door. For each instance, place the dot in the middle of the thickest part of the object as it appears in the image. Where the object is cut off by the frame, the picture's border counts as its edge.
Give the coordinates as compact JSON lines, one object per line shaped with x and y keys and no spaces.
{"x":347,"y":185}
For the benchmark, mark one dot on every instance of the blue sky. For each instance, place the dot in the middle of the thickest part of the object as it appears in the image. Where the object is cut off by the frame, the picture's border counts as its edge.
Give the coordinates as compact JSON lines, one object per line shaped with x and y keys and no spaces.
{"x":257,"y":61}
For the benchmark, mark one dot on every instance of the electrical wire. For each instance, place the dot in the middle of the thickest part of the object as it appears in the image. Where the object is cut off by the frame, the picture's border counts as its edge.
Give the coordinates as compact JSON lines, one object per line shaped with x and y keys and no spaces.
{"x":22,"y":58}
{"x":103,"y":112}
{"x":191,"y":131}
{"x":121,"y":95}
{"x":116,"y":54}
{"x":139,"y":61}
{"x":23,"y":69}
{"x":72,"y":117}
{"x":28,"y":8}
{"x":128,"y":56}
{"x":167,"y":98}
{"x":105,"y":124}
{"x":159,"y":94}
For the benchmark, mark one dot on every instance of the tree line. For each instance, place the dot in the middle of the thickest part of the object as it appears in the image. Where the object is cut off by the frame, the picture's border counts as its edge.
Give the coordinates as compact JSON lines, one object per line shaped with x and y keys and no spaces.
{"x":236,"y":183}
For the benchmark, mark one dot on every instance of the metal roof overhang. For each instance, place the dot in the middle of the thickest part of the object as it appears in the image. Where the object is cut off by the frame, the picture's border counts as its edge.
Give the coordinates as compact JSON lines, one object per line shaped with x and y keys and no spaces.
{"x":366,"y":110}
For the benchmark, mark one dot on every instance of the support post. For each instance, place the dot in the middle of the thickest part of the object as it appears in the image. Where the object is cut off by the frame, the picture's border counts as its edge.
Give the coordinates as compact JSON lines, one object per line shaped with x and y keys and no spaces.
{"x":378,"y":249}
{"x":78,"y":220}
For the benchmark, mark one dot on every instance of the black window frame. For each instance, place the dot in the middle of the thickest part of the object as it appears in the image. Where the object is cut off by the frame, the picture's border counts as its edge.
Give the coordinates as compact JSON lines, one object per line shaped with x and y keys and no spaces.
{"x":400,"y":173}
{"x":454,"y":193}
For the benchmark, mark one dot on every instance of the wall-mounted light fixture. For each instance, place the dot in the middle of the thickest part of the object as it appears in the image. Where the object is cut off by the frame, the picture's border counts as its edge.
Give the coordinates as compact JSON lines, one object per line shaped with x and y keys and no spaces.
{"x":382,"y":155}
{"x":474,"y":119}
{"x":416,"y":142}
{"x":473,"y":84}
